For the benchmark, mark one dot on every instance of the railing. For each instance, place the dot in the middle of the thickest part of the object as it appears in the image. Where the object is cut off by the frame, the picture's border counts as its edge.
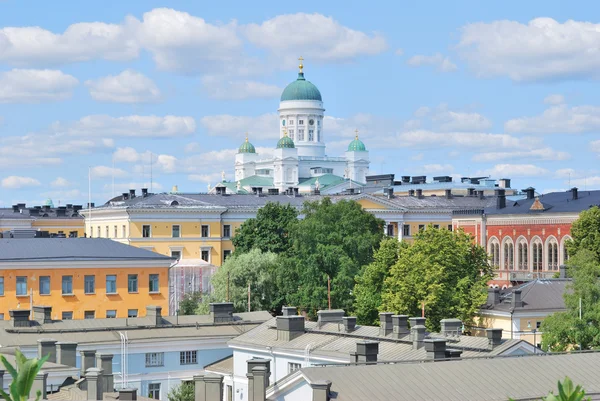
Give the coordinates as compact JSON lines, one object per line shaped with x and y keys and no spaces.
{"x":523,"y":275}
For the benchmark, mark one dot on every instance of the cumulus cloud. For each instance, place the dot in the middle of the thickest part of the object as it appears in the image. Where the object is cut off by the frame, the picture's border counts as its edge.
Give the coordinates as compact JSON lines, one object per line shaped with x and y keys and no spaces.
{"x":587,"y":182}
{"x":442,"y":63}
{"x":542,"y":49}
{"x":558,"y":119}
{"x":534,"y":154}
{"x":128,"y":87}
{"x":33,"y":86}
{"x":461,"y":121}
{"x":436,"y":168}
{"x":515,"y":171}
{"x":17,"y":182}
{"x":105,"y":172}
{"x":223,"y":89}
{"x":265,"y":126}
{"x":595,"y":146}
{"x":60,"y":182}
{"x":565,"y":173}
{"x":554,"y":99}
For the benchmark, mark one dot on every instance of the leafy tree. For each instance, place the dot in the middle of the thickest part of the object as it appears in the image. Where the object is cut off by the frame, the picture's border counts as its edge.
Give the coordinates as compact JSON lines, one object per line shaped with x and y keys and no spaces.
{"x":369,"y":284}
{"x":189,"y":303}
{"x":585,"y":232}
{"x":269,"y":231}
{"x":333,"y":240}
{"x":565,"y":330}
{"x":182,"y":392}
{"x":23,"y":376}
{"x":444,"y":270}
{"x":566,"y":392}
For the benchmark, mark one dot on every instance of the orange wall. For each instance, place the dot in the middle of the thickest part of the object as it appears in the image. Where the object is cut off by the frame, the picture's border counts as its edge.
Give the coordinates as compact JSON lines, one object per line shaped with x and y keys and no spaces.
{"x":80,"y":302}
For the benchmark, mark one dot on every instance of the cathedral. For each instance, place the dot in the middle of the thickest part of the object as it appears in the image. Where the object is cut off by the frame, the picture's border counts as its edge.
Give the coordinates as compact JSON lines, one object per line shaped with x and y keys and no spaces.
{"x":299,"y":160}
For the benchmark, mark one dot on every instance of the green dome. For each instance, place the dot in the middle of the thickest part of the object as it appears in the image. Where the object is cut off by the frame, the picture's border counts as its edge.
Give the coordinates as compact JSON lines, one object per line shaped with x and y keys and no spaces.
{"x":246,"y":147}
{"x":301,"y":89}
{"x":357,"y":146}
{"x":285,"y":142}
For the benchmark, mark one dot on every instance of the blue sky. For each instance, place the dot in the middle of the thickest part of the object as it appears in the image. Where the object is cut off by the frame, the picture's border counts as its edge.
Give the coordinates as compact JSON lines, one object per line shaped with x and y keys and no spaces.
{"x":456,"y":88}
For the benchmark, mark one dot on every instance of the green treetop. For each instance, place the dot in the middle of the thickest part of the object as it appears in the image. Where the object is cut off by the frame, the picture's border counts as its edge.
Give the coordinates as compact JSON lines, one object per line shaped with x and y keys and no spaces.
{"x":585,"y":232}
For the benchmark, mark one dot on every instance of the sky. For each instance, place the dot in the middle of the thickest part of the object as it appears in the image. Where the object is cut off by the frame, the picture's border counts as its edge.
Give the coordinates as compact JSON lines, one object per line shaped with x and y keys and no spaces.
{"x":139,"y":92}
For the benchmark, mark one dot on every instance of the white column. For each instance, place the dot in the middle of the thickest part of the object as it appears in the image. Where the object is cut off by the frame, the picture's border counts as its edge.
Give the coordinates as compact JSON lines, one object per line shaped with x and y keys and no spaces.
{"x":400,"y":230}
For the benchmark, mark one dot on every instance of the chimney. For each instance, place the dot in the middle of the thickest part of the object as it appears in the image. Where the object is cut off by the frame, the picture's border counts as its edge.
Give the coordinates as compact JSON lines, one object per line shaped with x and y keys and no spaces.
{"x":260,"y":362}
{"x":500,"y":198}
{"x":419,"y":193}
{"x":200,"y":387}
{"x":405,"y":179}
{"x":417,"y":334}
{"x":39,"y":384}
{"x":435,"y":348}
{"x":516,"y":299}
{"x":47,"y":346}
{"x":321,"y":390}
{"x":390,"y":193}
{"x":15,"y":208}
{"x":125,"y":196}
{"x":349,"y":323}
{"x":104,"y":362}
{"x":289,"y":311}
{"x":329,"y":316}
{"x":366,"y":352}
{"x":289,"y":327}
{"x":451,"y":327}
{"x":213,"y":385}
{"x":295,"y":191}
{"x":400,"y":326}
{"x":448,"y":193}
{"x":88,"y":360}
{"x":19,"y":317}
{"x":530,"y":192}
{"x":470,"y":191}
{"x":144,"y":192}
{"x":416,"y":321}
{"x":132,"y":193}
{"x":493,"y":296}
{"x":66,"y":353}
{"x":385,"y":323}
{"x":93,"y":377}
{"x":90,"y":205}
{"x":411,"y":192}
{"x":273,"y":191}
{"x":155,"y":314}
{"x":260,"y":377}
{"x":481,"y":194}
{"x":221,"y":312}
{"x":453,"y":353}
{"x":504,"y":183}
{"x":494,"y":336}
{"x":128,"y":394}
{"x":563,"y":271}
{"x":42,"y":314}
{"x":574,"y":192}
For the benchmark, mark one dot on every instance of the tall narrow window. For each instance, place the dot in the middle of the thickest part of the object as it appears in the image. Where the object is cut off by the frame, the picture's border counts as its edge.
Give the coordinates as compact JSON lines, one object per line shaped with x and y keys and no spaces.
{"x":146,"y":231}
{"x":89,"y":284}
{"x":67,"y":285}
{"x":176,"y":232}
{"x":205,"y":255}
{"x":132,"y":283}
{"x":537,"y":254}
{"x":508,"y":256}
{"x":124,"y":231}
{"x":153,"y":283}
{"x":226,"y":231}
{"x":21,"y":285}
{"x":44,"y":285}
{"x":115,"y":231}
{"x":1,"y":285}
{"x":552,"y":257}
{"x":523,"y":256}
{"x":204,"y":231}
{"x":406,"y":230}
{"x":111,"y":284}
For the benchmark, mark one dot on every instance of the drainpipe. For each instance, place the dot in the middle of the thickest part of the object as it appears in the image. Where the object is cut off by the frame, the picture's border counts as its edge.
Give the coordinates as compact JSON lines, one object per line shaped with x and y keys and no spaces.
{"x":270,"y":349}
{"x":511,"y":323}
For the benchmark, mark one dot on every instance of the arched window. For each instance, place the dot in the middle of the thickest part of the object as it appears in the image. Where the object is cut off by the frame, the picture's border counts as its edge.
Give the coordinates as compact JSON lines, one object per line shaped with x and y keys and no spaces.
{"x":565,"y":253}
{"x":522,"y":255}
{"x":537,"y":254}
{"x":552,"y":254}
{"x":509,"y":254}
{"x":494,"y":252}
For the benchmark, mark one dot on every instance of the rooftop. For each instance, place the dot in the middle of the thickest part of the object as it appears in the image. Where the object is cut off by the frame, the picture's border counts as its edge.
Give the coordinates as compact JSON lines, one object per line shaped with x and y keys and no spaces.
{"x":553,"y":202}
{"x":536,"y":295}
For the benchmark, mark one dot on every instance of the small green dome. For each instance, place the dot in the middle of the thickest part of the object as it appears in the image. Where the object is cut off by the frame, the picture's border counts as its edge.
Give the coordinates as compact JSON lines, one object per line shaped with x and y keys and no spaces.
{"x":49,"y":203}
{"x":301,"y":89}
{"x":357,"y":146}
{"x":247,"y":147}
{"x":285,"y":142}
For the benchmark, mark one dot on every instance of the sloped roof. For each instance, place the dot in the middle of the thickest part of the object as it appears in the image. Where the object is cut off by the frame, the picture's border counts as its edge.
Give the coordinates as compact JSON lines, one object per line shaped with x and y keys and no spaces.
{"x":223,"y":366}
{"x":537,"y":295}
{"x":554,"y":202}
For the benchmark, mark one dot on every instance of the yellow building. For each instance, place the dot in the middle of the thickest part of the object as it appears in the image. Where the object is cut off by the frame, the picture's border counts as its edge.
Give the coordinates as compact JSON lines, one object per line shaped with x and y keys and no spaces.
{"x":23,"y":221}
{"x":81,"y":278}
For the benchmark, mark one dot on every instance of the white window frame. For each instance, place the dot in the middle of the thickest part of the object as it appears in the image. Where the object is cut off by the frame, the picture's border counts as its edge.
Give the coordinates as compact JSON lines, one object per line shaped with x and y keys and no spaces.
{"x":294,"y":366}
{"x":188,"y":357}
{"x":154,"y":359}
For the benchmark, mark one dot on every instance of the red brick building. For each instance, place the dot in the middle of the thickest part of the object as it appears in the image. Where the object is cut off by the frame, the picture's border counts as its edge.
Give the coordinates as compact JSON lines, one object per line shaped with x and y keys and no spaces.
{"x":526,"y":238}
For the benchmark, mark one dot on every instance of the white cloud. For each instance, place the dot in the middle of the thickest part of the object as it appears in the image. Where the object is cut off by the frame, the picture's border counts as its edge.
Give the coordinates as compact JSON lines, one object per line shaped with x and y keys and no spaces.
{"x":192,"y":147}
{"x":129,"y":126}
{"x":127,"y":87}
{"x":558,"y":119}
{"x":314,"y":36}
{"x":442,"y":63}
{"x":514,"y":171}
{"x":399,"y":52}
{"x":534,"y":154}
{"x":32,"y":86}
{"x":565,"y":173}
{"x":422,"y":111}
{"x":105,"y":172}
{"x":17,"y":182}
{"x":587,"y":182}
{"x":436,"y":169}
{"x":540,"y":49}
{"x":461,"y":121}
{"x":554,"y":99}
{"x":595,"y":146}
{"x":264,"y":126}
{"x":60,"y":182}
{"x":223,"y":89}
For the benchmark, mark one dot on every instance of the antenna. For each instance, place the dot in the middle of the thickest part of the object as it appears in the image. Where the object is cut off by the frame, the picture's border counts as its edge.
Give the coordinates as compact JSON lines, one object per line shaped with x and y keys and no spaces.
{"x":90,"y":201}
{"x":113,"y":175}
{"x":151,"y":157}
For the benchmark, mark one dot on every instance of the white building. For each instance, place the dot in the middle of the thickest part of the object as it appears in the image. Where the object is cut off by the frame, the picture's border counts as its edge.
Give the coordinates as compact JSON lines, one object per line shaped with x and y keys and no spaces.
{"x":299,"y":159}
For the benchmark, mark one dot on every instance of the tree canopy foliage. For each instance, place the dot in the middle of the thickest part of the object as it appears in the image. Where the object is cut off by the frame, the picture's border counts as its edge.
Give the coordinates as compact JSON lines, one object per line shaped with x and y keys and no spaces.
{"x":189,"y":303}
{"x":585,"y":232}
{"x":444,"y":270}
{"x":182,"y":392}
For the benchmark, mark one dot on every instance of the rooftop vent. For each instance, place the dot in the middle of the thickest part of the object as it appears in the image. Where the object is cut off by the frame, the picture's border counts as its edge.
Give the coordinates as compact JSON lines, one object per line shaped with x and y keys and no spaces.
{"x":144,"y":192}
{"x":289,"y":327}
{"x":221,"y":312}
{"x":330,"y":316}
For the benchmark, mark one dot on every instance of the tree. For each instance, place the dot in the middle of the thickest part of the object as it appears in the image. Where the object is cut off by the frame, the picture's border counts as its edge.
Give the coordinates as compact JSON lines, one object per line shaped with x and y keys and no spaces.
{"x":189,"y":303}
{"x":333,"y":240}
{"x":444,"y":270}
{"x":182,"y":392}
{"x":566,"y":392}
{"x":269,"y":231}
{"x":23,"y":376}
{"x":565,"y":330}
{"x":585,"y":232}
{"x":369,"y":284}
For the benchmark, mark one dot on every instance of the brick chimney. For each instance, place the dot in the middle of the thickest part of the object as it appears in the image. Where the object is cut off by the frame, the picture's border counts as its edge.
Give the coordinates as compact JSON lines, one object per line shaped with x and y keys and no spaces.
{"x":47,"y":346}
{"x":517,"y":302}
{"x":494,"y":336}
{"x":400,"y":326}
{"x":221,"y":312}
{"x":451,"y":327}
{"x":493,"y":296}
{"x":435,"y":348}
{"x":289,"y":327}
{"x":66,"y":353}
{"x":385,"y":323}
{"x":349,"y":323}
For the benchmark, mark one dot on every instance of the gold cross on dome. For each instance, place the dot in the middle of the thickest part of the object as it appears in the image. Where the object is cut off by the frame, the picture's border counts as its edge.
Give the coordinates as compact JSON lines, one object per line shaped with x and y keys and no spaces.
{"x":356,"y":132}
{"x":301,"y":66}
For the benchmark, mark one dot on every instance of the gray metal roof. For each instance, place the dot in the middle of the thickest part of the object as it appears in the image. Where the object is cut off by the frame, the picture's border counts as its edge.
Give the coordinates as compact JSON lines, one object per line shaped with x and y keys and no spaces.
{"x":42,"y":214}
{"x":481,"y":379}
{"x":223,"y":366}
{"x":29,"y":249}
{"x":553,"y":202}
{"x":537,"y":295}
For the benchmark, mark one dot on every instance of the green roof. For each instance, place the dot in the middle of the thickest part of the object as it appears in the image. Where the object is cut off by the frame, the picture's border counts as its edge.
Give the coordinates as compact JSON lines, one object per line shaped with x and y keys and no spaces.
{"x":325,"y":180}
{"x":257,"y":181}
{"x":285,"y":142}
{"x":301,"y":89}
{"x":247,"y":147}
{"x":357,"y":146}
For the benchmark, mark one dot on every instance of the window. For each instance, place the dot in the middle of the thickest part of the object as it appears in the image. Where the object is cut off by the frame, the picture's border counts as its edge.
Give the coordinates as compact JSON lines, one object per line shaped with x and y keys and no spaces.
{"x":132,"y":313}
{"x":188,"y":357}
{"x":406,"y":230}
{"x":98,"y":232}
{"x":300,"y":134}
{"x":72,"y":234}
{"x":111,"y":314}
{"x":494,"y":252}
{"x":1,"y":285}
{"x":115,"y":232}
{"x":522,"y":256}
{"x":67,"y":285}
{"x":154,"y":391}
{"x":204,"y":255}
{"x":509,"y":254}
{"x":291,"y":122}
{"x":132,"y":283}
{"x":89,"y":314}
{"x":204,"y":231}
{"x":67,"y":316}
{"x":390,"y":230}
{"x":107,"y":236}
{"x":44,"y":285}
{"x":111,"y":284}
{"x":449,"y":227}
{"x":155,"y":359}
{"x":146,"y":231}
{"x":153,"y":283}
{"x":124,"y":231}
{"x":292,"y":367}
{"x":1,"y":316}
{"x":176,"y":254}
{"x":226,"y":231}
{"x":421,"y":227}
{"x":552,"y":255}
{"x":437,"y":226}
{"x":537,"y":255}
{"x":226,"y":254}
{"x":318,"y":135}
{"x":300,"y":122}
{"x":21,"y":285}
{"x":538,"y":325}
{"x":311,"y":135}
{"x":89,"y":284}
{"x":176,"y":233}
